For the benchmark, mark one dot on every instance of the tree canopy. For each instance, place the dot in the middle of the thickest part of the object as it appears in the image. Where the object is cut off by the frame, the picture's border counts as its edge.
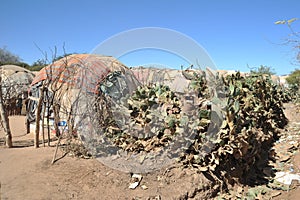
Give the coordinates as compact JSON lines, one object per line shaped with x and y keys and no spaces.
{"x":263,"y":70}
{"x":6,"y":57}
{"x":294,"y":79}
{"x":38,"y":65}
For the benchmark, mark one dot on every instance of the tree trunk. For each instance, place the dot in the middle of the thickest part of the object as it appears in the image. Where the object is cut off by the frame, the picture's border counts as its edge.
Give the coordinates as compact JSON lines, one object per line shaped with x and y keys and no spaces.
{"x":38,"y":118}
{"x":49,"y":102}
{"x":5,"y":120}
{"x":43,"y":120}
{"x":48,"y":126}
{"x":56,"y":109}
{"x":27,"y":122}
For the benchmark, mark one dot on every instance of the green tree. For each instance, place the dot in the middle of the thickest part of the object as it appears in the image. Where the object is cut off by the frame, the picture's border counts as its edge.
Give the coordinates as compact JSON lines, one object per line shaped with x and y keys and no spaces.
{"x":262,"y":70}
{"x":294,"y":79}
{"x":6,"y":57}
{"x":24,"y":65}
{"x":63,"y":56}
{"x":39,"y":62}
{"x":38,"y":65}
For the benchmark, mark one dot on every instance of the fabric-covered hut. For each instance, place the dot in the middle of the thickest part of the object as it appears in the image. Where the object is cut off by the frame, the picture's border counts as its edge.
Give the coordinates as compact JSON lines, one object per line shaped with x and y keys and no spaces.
{"x":71,"y":80}
{"x":15,"y":82}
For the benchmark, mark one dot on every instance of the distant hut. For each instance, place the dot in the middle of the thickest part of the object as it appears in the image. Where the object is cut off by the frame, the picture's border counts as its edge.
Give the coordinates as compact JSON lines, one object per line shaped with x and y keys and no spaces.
{"x":15,"y":82}
{"x":173,"y":78}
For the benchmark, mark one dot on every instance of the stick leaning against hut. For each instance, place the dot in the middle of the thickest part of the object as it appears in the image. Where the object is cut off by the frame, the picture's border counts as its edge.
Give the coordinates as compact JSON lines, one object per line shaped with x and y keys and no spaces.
{"x":67,"y":83}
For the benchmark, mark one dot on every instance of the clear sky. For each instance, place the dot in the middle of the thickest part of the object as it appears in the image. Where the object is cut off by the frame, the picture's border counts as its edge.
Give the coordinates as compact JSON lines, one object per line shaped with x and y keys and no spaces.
{"x":235,"y":33}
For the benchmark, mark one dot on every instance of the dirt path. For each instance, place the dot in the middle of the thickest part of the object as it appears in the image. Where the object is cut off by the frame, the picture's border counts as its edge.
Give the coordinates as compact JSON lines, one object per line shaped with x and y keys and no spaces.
{"x":27,"y":173}
{"x":292,"y":136}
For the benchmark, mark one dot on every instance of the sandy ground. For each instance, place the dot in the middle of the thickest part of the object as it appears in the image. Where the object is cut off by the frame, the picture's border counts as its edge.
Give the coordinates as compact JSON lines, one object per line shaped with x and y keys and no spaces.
{"x":27,"y":173}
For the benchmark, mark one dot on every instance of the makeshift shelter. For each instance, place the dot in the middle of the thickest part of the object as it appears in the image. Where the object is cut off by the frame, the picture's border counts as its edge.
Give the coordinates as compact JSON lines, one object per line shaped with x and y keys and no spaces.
{"x":175,"y":79}
{"x":72,"y":81}
{"x":15,"y":82}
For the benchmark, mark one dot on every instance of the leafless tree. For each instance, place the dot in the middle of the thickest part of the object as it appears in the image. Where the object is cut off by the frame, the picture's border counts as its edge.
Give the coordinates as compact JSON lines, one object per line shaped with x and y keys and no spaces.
{"x":293,"y":39}
{"x":58,"y":94}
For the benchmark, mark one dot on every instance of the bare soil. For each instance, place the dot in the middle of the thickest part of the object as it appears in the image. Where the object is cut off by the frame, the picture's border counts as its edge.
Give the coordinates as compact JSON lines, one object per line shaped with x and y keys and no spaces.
{"x":292,"y":131}
{"x":27,"y":173}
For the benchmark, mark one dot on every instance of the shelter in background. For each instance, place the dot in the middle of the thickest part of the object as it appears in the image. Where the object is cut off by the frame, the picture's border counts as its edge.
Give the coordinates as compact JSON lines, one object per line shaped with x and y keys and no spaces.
{"x":15,"y":82}
{"x":173,"y":78}
{"x":71,"y":80}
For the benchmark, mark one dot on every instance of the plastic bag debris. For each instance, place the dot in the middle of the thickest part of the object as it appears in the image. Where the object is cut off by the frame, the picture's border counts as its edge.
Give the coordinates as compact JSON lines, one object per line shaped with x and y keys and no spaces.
{"x":136,"y":179}
{"x":286,"y":178}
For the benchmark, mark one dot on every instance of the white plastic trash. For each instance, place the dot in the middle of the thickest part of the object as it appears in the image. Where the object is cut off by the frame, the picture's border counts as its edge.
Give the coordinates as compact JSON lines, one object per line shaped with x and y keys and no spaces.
{"x":286,"y":178}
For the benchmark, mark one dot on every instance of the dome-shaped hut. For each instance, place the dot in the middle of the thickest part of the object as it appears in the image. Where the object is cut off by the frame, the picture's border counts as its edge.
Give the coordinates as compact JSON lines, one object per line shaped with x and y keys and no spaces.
{"x":74,"y":79}
{"x":15,"y":82}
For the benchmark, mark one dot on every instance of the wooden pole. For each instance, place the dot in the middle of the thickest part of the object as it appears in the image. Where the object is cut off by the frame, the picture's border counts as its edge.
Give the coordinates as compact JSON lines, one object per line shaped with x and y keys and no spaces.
{"x":38,"y":118}
{"x":5,"y":119}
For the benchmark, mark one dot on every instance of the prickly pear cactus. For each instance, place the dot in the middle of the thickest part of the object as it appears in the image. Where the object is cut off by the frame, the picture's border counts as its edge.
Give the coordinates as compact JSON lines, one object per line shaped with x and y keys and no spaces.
{"x":253,"y":116}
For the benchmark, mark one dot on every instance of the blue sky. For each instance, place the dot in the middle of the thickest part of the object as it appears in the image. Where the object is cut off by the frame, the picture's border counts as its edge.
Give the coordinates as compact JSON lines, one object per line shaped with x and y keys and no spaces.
{"x":235,"y":33}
